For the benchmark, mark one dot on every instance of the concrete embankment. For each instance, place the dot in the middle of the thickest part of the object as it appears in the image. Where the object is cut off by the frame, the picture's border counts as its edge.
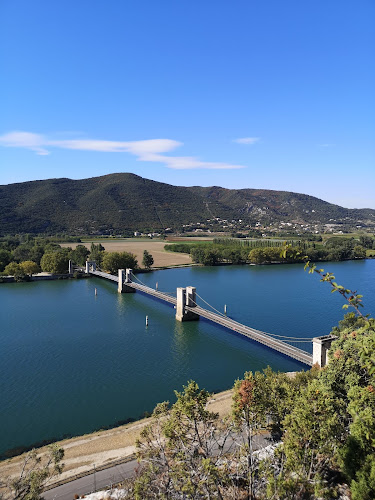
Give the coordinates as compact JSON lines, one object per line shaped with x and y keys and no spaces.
{"x":44,"y":277}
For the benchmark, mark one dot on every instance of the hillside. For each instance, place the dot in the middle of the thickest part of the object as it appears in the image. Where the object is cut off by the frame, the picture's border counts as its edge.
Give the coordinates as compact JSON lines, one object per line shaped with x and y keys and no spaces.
{"x":121,"y":202}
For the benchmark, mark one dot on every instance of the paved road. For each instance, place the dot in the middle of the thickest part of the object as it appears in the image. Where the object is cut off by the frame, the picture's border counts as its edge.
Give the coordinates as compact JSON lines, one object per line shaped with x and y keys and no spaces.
{"x":103,"y":480}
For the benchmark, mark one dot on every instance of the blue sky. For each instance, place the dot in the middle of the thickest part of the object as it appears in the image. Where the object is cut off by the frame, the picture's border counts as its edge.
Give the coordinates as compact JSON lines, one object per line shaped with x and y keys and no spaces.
{"x":258,"y":93}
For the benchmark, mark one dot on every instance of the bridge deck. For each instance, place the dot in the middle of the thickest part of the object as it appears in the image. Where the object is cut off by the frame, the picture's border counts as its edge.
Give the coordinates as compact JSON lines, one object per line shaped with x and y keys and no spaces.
{"x":262,"y":338}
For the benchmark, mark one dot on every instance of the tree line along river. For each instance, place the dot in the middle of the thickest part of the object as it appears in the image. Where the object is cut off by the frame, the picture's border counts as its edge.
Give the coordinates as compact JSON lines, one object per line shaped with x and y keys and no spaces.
{"x":72,"y":362}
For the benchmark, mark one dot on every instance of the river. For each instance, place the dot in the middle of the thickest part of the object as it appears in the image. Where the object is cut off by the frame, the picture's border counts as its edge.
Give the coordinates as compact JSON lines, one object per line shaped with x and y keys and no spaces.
{"x":72,"y":361}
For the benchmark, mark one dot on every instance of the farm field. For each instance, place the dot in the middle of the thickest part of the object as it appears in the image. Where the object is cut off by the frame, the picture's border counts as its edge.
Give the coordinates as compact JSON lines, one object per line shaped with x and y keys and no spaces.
{"x":137,"y":246}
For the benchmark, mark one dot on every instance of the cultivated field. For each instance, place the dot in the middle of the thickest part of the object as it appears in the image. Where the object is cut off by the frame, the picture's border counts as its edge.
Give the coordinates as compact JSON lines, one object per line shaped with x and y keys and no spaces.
{"x":137,"y":246}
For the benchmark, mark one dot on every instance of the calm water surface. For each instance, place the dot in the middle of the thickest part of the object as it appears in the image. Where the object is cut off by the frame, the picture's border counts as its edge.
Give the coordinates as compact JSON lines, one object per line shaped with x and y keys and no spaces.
{"x":71,"y":362}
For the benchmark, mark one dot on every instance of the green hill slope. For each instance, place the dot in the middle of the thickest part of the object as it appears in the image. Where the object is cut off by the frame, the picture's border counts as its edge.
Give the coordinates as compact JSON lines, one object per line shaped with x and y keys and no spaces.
{"x":120,"y":202}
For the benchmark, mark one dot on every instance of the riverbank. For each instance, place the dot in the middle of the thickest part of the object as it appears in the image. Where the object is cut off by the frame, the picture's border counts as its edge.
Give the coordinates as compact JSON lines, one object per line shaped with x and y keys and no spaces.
{"x":104,"y":448}
{"x":43,"y":277}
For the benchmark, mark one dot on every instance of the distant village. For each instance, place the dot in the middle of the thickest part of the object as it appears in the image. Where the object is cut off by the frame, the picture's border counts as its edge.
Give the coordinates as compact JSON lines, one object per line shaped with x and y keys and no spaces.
{"x":215,"y":225}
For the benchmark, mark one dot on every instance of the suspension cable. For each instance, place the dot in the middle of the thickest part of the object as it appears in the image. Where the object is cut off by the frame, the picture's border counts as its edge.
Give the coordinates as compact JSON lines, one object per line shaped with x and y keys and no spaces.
{"x":209,"y":305}
{"x":287,"y":338}
{"x":141,"y":282}
{"x":299,"y":339}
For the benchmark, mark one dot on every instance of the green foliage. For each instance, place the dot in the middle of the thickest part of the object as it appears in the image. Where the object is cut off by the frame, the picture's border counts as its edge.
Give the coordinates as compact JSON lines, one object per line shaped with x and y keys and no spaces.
{"x":257,"y":256}
{"x":97,"y":253}
{"x":236,"y":251}
{"x":79,"y":255}
{"x":35,"y":473}
{"x":15,"y":270}
{"x":113,"y":261}
{"x":350,"y":376}
{"x":29,"y":267}
{"x":312,"y":430}
{"x":179,"y":247}
{"x":344,"y":248}
{"x":359,"y":252}
{"x":205,"y":256}
{"x":148,"y":259}
{"x":55,"y":262}
{"x":363,"y":487}
{"x":12,"y":269}
{"x":5,"y":258}
{"x":366,"y":241}
{"x":176,"y":450}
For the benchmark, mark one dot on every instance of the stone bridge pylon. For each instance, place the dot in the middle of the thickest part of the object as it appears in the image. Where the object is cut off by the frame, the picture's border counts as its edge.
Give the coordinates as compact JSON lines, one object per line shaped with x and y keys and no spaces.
{"x":124,"y":277}
{"x":90,"y":266}
{"x":186,"y":297}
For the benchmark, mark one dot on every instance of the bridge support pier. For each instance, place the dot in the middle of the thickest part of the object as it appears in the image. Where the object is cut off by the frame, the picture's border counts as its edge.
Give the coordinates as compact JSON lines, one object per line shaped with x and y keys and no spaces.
{"x":321,"y":346}
{"x":90,"y":266}
{"x":186,"y":297}
{"x":124,"y":276}
{"x":70,"y":269}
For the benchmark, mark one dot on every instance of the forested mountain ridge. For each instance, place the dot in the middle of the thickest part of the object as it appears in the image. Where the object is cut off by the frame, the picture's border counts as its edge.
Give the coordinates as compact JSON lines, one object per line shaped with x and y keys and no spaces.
{"x":121,"y":202}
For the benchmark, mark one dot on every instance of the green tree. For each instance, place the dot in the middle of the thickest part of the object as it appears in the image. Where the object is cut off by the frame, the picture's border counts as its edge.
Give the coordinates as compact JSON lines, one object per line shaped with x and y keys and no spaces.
{"x":350,"y":376}
{"x":312,"y":431}
{"x":15,"y":270}
{"x":29,"y":267}
{"x":36,"y":253}
{"x":235,"y":255}
{"x":148,"y":259}
{"x":22,"y":252}
{"x":112,"y":261}
{"x":359,"y":252}
{"x":55,"y":262}
{"x":366,"y":241}
{"x":5,"y":258}
{"x":79,"y":255}
{"x":36,"y":472}
{"x":197,"y":254}
{"x":257,"y":256}
{"x":177,"y":450}
{"x":249,"y":415}
{"x":97,"y":253}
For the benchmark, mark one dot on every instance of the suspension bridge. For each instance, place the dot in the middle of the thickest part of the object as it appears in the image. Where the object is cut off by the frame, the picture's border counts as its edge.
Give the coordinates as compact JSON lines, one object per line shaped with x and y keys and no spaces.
{"x":187,"y":309}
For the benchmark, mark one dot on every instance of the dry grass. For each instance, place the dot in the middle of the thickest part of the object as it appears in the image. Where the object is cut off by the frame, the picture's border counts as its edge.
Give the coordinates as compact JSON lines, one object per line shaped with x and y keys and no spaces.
{"x":155,"y":248}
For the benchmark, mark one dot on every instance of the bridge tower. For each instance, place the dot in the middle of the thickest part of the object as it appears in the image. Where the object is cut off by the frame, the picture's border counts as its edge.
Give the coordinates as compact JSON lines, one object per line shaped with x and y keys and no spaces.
{"x":90,"y":266}
{"x":186,"y":297}
{"x":124,"y":276}
{"x":321,"y":346}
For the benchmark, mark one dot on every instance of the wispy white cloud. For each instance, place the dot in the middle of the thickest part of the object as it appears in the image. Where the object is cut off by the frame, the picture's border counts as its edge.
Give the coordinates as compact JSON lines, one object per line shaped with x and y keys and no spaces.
{"x":147,"y":150}
{"x":247,"y":140}
{"x":27,"y":140}
{"x":188,"y":162}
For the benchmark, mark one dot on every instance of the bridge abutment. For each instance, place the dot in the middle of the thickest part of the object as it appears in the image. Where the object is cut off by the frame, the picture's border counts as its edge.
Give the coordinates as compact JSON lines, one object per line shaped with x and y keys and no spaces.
{"x":186,"y":297}
{"x":124,"y":276}
{"x":321,"y":346}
